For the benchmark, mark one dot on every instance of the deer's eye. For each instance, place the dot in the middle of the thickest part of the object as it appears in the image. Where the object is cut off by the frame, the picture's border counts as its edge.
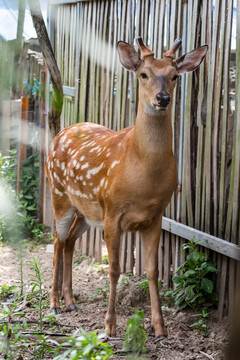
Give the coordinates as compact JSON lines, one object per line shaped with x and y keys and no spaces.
{"x":175,"y":78}
{"x":144,"y":76}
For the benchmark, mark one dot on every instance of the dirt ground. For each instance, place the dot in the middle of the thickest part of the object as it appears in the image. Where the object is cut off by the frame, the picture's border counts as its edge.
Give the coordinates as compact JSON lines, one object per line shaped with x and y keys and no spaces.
{"x":90,"y":284}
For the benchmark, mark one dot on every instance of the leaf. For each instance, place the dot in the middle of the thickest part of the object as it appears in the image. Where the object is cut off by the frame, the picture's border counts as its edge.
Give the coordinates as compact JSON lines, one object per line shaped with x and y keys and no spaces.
{"x":207,"y":285}
{"x":176,"y":279}
{"x":189,"y":273}
{"x":31,"y":207}
{"x":190,"y":293}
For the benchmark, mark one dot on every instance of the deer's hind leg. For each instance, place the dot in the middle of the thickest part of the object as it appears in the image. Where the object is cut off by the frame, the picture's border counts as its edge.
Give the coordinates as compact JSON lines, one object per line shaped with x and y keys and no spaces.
{"x":69,"y":226}
{"x":54,"y":295}
{"x":78,"y":227}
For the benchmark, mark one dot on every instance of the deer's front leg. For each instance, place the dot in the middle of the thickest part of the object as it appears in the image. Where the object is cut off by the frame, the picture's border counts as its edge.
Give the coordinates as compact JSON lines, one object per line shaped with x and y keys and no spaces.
{"x":151,"y":240}
{"x":112,"y":238}
{"x":54,"y":296}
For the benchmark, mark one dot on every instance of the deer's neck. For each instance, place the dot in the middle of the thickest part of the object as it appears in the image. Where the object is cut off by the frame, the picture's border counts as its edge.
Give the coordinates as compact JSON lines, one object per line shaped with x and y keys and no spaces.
{"x":152,"y":137}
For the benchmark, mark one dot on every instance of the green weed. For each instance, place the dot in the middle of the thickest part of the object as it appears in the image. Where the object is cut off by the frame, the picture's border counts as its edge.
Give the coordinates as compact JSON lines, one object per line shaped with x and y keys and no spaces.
{"x":85,"y":346}
{"x":136,"y":336}
{"x":193,"y":286}
{"x":144,"y":285}
{"x":102,"y":293}
{"x":200,"y":326}
{"x":12,"y":342}
{"x":36,"y":283}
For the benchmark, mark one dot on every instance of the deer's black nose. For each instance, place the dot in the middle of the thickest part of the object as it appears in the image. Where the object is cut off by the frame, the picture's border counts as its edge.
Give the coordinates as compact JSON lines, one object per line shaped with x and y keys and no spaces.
{"x":163,"y":99}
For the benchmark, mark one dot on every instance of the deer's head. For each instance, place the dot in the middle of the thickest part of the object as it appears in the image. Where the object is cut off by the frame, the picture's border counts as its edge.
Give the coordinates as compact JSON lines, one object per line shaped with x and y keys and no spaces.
{"x":157,"y":77}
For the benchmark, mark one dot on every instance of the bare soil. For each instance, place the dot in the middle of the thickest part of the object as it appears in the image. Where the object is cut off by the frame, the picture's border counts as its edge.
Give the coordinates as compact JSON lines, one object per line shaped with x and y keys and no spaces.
{"x":90,"y":284}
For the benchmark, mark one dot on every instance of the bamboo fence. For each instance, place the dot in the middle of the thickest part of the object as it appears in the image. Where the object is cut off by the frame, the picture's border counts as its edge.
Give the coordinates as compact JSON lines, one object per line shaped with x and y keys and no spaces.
{"x":206,"y":114}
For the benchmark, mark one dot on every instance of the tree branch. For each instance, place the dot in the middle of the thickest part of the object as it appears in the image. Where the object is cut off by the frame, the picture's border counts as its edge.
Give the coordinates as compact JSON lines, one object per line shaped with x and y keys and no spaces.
{"x":48,"y":54}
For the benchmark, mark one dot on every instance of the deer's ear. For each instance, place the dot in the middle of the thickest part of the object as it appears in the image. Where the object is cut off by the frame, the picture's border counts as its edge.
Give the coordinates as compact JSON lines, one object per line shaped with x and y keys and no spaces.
{"x":192,"y":60}
{"x":128,"y":56}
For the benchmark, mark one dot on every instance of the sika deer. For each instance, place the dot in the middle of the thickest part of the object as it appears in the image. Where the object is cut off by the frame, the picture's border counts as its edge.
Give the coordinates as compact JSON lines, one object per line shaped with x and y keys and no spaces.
{"x":120,"y":180}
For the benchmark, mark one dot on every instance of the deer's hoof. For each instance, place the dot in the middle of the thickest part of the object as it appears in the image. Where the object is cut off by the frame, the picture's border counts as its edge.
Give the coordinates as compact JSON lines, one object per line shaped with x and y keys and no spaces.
{"x":72,"y":307}
{"x":159,"y":338}
{"x":55,"y":310}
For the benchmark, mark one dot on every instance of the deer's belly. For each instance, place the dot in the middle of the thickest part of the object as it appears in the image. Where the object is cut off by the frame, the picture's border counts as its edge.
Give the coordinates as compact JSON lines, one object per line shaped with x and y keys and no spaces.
{"x":139,"y":218}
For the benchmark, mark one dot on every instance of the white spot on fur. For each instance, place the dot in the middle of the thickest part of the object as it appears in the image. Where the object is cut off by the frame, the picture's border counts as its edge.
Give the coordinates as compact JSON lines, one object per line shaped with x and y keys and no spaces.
{"x":63,"y":138}
{"x":85,"y":166}
{"x":95,"y":148}
{"x":58,"y":192}
{"x":115,"y":163}
{"x":93,"y":171}
{"x":101,"y":182}
{"x":106,"y":183}
{"x":76,"y":154}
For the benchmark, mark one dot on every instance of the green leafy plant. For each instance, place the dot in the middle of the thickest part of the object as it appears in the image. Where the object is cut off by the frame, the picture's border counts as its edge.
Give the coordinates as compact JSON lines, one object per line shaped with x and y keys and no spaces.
{"x":85,"y":346}
{"x":29,"y":182}
{"x":201,"y":325}
{"x":18,"y":217}
{"x":36,"y":282}
{"x":136,"y":336}
{"x":105,"y":259}
{"x":8,"y":171}
{"x":102,"y":293}
{"x":144,"y":285}
{"x":169,"y":295}
{"x":12,"y":342}
{"x":43,"y":346}
{"x":193,"y":286}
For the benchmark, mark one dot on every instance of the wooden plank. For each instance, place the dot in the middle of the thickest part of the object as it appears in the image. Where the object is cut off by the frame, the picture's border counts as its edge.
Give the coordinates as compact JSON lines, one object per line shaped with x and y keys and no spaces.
{"x":98,"y":246}
{"x":130,"y":252}
{"x":233,"y":221}
{"x":223,"y":277}
{"x":225,"y":115}
{"x":138,"y":265}
{"x":123,"y":253}
{"x":216,"y":128}
{"x":209,"y":241}
{"x":161,"y":27}
{"x":78,"y":244}
{"x":91,"y":241}
{"x":85,"y":243}
{"x":166,"y":269}
{"x":142,"y":258}
{"x":160,"y":258}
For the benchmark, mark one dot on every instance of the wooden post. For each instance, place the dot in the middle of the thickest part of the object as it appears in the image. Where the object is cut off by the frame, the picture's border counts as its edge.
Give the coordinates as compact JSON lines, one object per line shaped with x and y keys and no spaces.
{"x":22,"y":148}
